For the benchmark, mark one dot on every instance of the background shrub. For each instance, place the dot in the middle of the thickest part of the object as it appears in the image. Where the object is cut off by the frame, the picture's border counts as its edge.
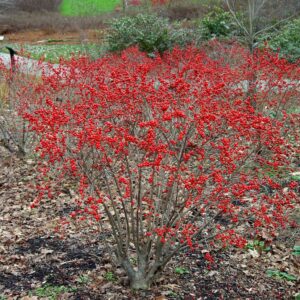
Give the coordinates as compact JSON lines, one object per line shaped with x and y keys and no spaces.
{"x":218,"y":23}
{"x":182,"y":36}
{"x":287,"y":40}
{"x":149,"y":32}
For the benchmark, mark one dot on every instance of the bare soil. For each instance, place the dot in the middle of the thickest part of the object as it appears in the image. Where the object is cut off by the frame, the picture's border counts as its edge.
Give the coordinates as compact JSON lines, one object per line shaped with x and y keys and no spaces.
{"x":42,"y":36}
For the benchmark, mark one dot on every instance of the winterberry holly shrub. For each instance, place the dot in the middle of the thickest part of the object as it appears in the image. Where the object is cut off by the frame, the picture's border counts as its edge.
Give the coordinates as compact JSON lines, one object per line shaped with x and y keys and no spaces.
{"x":171,"y":151}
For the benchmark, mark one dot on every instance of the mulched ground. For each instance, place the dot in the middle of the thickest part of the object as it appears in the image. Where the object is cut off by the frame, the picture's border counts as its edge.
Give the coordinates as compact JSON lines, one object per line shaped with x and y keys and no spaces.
{"x":33,"y":255}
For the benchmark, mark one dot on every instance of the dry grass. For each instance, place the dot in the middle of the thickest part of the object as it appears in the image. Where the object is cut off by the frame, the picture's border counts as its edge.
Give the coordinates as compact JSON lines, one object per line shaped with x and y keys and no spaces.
{"x":15,"y":136}
{"x":4,"y":89}
{"x":37,"y":5}
{"x":48,"y":21}
{"x":188,"y":9}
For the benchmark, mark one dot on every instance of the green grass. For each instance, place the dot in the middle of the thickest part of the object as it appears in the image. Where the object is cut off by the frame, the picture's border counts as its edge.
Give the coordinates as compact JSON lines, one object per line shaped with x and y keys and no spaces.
{"x":53,"y":52}
{"x":87,"y":7}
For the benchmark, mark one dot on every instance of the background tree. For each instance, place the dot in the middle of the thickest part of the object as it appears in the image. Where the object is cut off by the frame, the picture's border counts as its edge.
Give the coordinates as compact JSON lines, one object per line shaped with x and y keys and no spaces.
{"x":256,"y":17}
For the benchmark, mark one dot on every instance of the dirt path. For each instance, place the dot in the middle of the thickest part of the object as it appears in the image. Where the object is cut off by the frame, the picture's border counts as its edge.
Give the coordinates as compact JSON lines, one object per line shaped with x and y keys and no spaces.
{"x":40,"y":36}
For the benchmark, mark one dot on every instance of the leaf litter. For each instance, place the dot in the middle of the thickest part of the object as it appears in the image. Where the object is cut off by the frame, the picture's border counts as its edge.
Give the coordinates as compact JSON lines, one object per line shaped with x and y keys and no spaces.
{"x":33,"y":255}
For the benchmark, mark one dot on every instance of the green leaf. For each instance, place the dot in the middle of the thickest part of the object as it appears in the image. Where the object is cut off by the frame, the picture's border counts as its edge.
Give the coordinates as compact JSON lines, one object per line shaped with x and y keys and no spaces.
{"x":181,"y":271}
{"x":288,"y":277}
{"x":297,"y":178}
{"x":271,"y":273}
{"x":281,"y":275}
{"x":296,"y":250}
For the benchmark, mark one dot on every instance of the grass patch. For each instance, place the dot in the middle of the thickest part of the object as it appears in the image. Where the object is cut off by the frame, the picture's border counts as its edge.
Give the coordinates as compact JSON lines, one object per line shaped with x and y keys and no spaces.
{"x":52,"y":292}
{"x":88,"y":7}
{"x":4,"y":89}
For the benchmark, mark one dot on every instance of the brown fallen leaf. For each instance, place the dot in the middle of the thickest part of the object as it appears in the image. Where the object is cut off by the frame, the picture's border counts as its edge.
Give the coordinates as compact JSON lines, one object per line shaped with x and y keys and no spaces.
{"x":254,"y":253}
{"x":46,"y":251}
{"x":64,"y":296}
{"x":161,"y":297}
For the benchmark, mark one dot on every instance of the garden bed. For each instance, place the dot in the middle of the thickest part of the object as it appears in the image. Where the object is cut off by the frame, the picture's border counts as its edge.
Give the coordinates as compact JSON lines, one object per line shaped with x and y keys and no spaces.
{"x":37,"y":261}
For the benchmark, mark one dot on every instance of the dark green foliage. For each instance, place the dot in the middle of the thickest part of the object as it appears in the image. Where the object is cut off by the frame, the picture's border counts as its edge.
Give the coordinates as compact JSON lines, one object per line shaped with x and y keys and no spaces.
{"x":218,"y":23}
{"x":149,"y":32}
{"x":287,"y":40}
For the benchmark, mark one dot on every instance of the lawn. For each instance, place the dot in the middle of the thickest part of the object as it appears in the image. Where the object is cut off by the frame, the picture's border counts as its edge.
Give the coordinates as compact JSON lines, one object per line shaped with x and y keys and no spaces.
{"x":88,"y":7}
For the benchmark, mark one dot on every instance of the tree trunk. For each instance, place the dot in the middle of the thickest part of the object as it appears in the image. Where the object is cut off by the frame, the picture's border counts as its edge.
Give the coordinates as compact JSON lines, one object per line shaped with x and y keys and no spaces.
{"x":142,"y":276}
{"x":140,"y":281}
